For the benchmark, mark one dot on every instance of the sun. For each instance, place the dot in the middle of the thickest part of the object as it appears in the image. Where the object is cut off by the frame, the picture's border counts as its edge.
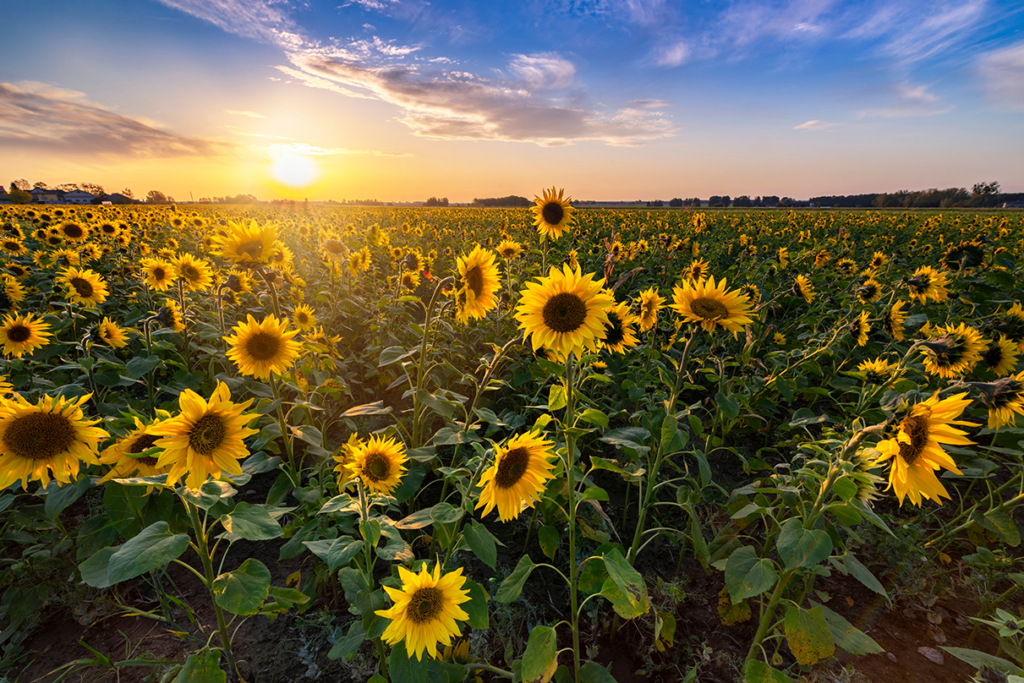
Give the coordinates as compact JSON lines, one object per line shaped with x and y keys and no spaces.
{"x":296,"y":170}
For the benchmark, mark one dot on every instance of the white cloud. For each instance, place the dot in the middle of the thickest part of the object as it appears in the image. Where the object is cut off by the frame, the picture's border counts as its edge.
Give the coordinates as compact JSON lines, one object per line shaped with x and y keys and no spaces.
{"x":673,"y":55}
{"x":543,"y":70}
{"x":1002,"y":73}
{"x":816,"y":125}
{"x":250,"y":114}
{"x":910,"y":100}
{"x":263,"y":20}
{"x":912,"y":31}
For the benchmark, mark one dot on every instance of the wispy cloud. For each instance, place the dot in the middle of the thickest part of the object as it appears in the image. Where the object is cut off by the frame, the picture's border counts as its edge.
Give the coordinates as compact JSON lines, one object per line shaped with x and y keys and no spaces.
{"x":1002,"y":73}
{"x":910,"y":100}
{"x":913,"y":31}
{"x":543,"y":70}
{"x":817,"y":125}
{"x":673,"y":55}
{"x":265,"y":20}
{"x":37,"y":116}
{"x":312,"y":150}
{"x":250,"y":114}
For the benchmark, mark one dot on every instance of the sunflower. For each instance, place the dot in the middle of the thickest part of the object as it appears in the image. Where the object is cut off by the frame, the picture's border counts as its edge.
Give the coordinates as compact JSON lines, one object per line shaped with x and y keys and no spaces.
{"x":73,"y":231}
{"x":869,"y":291}
{"x":893,"y":321}
{"x":11,"y":245}
{"x":955,"y":352}
{"x":380,"y":463}
{"x":877,"y":371}
{"x":344,"y":457}
{"x":263,"y":349}
{"x":21,"y":334}
{"x":821,"y":259}
{"x":698,"y":270}
{"x":859,"y":329}
{"x":711,"y":305}
{"x":916,"y":451}
{"x":126,"y":454}
{"x":1001,"y":356}
{"x":804,"y":288}
{"x":414,"y":262}
{"x":650,"y":305}
{"x":17,"y":270}
{"x":13,"y":290}
{"x":305,"y":317}
{"x":479,"y":282}
{"x":170,"y":315}
{"x":518,"y":476}
{"x":113,"y":335}
{"x":618,"y":331}
{"x":552,"y":214}
{"x":84,"y":286}
{"x":878,"y":260}
{"x":247,"y":244}
{"x":565,"y":311}
{"x":928,"y":283}
{"x":425,"y":610}
{"x":780,"y":339}
{"x":509,"y":249}
{"x":196,"y":273}
{"x":846,"y":266}
{"x":782,"y":255}
{"x":6,"y":388}
{"x":281,"y":257}
{"x":205,"y":439}
{"x":336,"y":248}
{"x":410,"y":280}
{"x":963,"y":255}
{"x":1003,"y":398}
{"x":752,"y":293}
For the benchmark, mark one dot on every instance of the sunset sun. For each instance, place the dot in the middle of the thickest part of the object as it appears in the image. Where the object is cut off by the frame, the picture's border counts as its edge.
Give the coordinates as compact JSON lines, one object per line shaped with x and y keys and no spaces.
{"x":292,"y":169}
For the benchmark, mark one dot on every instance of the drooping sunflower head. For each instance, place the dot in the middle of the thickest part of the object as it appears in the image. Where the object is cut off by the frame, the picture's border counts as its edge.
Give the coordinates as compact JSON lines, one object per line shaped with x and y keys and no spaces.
{"x":170,"y":316}
{"x":869,"y":291}
{"x":479,"y":280}
{"x":618,"y":331}
{"x":963,"y":255}
{"x":261,"y":349}
{"x":878,"y":371}
{"x":379,"y":462}
{"x":928,"y":283}
{"x":954,"y":351}
{"x":518,"y":476}
{"x":650,"y":304}
{"x":552,"y":214}
{"x":712,"y":305}
{"x":248,"y":244}
{"x":21,"y":334}
{"x":803,"y":288}
{"x":83,"y":286}
{"x":112,"y":334}
{"x":565,"y":311}
{"x":1001,"y":356}
{"x":426,"y":610}
{"x":1004,"y":399}
{"x":859,"y":329}
{"x":894,"y":319}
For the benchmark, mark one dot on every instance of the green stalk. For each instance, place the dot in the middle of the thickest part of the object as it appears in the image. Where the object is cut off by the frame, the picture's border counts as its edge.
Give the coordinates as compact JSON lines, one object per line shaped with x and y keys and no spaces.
{"x":570,"y":444}
{"x":368,"y":562}
{"x":282,"y":421}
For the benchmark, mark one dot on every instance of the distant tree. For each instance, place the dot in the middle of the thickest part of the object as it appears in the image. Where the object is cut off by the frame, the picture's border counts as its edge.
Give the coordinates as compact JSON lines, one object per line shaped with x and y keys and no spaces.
{"x":742,"y":202}
{"x":509,"y":201}
{"x":434,"y":201}
{"x":93,"y":188}
{"x":127,"y":192}
{"x":719,"y":201}
{"x":787,"y":201}
{"x":675,"y":203}
{"x":156,"y":197}
{"x":769,"y":200}
{"x":692,"y":201}
{"x":40,"y":185}
{"x":67,"y":187}
{"x":658,"y":203}
{"x":18,"y":196}
{"x":21,"y":184}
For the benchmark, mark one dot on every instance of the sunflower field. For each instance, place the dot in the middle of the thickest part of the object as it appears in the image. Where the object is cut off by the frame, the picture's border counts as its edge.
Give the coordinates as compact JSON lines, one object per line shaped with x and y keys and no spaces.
{"x":411,"y":445}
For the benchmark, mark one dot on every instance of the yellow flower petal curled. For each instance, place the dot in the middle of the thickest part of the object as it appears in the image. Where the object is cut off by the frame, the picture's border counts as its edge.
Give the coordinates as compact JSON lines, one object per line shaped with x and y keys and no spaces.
{"x":711,"y":305}
{"x":565,"y":312}
{"x":479,"y":280}
{"x":21,"y":334}
{"x":518,"y":476}
{"x":426,"y":610}
{"x":84,"y":287}
{"x":264,"y":348}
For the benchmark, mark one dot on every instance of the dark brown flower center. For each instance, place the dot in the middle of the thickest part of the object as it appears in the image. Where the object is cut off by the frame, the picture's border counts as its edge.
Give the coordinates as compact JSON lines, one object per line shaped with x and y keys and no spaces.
{"x":425,"y":604}
{"x":190,"y":272}
{"x":73,"y":230}
{"x":613,"y":331}
{"x":11,"y":245}
{"x":159,"y":274}
{"x":475,"y":281}
{"x":207,"y":434}
{"x":564,"y":312}
{"x":263,"y":346}
{"x":709,"y":309}
{"x":251,"y":248}
{"x":19,"y":333}
{"x":993,"y":355}
{"x":916,"y":427}
{"x":143,"y":444}
{"x":512,"y":467}
{"x":39,"y":436}
{"x":552,"y":213}
{"x":82,"y":286}
{"x":377,"y":467}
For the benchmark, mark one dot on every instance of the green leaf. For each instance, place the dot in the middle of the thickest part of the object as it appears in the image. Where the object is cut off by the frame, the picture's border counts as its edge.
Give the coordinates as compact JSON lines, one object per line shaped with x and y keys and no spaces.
{"x":336,"y":552}
{"x":747,"y":575}
{"x":401,"y":669}
{"x":592,"y":672}
{"x":367,"y":409}
{"x":808,"y":635}
{"x":124,"y":505}
{"x":628,"y":438}
{"x":396,"y":548}
{"x":348,"y":643}
{"x":202,"y":667}
{"x":556,"y":397}
{"x":243,"y":590}
{"x":594,"y":493}
{"x":512,"y":586}
{"x":759,"y":672}
{"x":700,"y":548}
{"x":154,"y":547}
{"x":630,"y":585}
{"x":417,"y":520}
{"x":979,"y":659}
{"x":845,"y":487}
{"x":482,"y":543}
{"x":393,"y":354}
{"x":252,"y":522}
{"x":209,"y":494}
{"x":97,"y":532}
{"x":58,"y":497}
{"x":94,"y":570}
{"x":540,"y":653}
{"x":446,"y":513}
{"x":549,"y":540}
{"x":729,"y":406}
{"x":140,"y":366}
{"x":476,"y":608}
{"x":847,"y":636}
{"x":594,"y":416}
{"x":1004,"y":527}
{"x":799,"y":547}
{"x":863,"y":574}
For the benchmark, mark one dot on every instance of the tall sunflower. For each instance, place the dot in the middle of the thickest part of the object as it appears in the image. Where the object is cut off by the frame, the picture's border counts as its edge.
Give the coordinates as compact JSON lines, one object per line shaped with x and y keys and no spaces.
{"x":510,"y":249}
{"x":1001,"y":356}
{"x":518,"y":476}
{"x":859,"y":329}
{"x":916,"y":451}
{"x":426,"y":610}
{"x":894,"y":319}
{"x":954,"y":352}
{"x":247,"y":244}
{"x":552,"y":214}
{"x":21,"y":334}
{"x":196,"y":273}
{"x":1004,"y":399}
{"x":159,"y":273}
{"x":479,"y":281}
{"x":869,"y":291}
{"x":170,"y":316}
{"x":264,"y":348}
{"x":650,"y":305}
{"x":73,"y":231}
{"x":44,"y":439}
{"x":618,"y":331}
{"x":83,"y":286}
{"x":565,"y":311}
{"x":712,"y":305}
{"x":126,"y":454}
{"x":112,"y":334}
{"x":380,"y":463}
{"x":205,"y":438}
{"x":928,"y":283}
{"x":804,"y":288}
{"x":305,"y":317}
{"x":13,"y":290}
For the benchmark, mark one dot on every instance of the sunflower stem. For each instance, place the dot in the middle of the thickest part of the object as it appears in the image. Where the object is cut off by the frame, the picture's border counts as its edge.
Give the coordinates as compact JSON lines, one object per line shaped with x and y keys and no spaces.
{"x":282,"y":421}
{"x":570,"y":467}
{"x":364,"y":517}
{"x":273,"y":291}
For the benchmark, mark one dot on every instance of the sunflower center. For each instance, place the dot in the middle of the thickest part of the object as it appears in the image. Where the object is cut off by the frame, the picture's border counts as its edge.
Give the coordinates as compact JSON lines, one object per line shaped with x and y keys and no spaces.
{"x":377,"y":467}
{"x":425,"y":604}
{"x":207,"y":434}
{"x":12,"y":245}
{"x":613,"y":332}
{"x":251,"y":248}
{"x":72,"y":230}
{"x":709,"y":309}
{"x":564,"y":312}
{"x":190,"y":272}
{"x":159,"y":274}
{"x":18,"y":333}
{"x":301,"y":318}
{"x":262,"y":346}
{"x":993,"y":356}
{"x":142,"y":444}
{"x":39,"y":436}
{"x":512,"y":468}
{"x":916,"y":427}
{"x":552,"y":213}
{"x":947,"y":349}
{"x":475,"y":280}
{"x":82,"y":286}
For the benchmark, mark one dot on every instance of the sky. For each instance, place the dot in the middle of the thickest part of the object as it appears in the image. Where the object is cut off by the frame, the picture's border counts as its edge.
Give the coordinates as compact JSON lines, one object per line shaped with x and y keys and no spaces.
{"x":399,"y":100}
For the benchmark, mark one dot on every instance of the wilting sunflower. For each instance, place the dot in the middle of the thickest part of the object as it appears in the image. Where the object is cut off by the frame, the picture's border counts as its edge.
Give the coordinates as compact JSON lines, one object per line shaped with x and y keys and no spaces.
{"x":650,"y":305}
{"x":698,"y":270}
{"x":196,"y":273}
{"x":248,"y":244}
{"x":565,"y":311}
{"x":954,"y":352}
{"x":509,"y":249}
{"x":552,"y":214}
{"x":859,"y":329}
{"x":479,"y":281}
{"x":618,"y":331}
{"x":170,"y":315}
{"x":928,"y":283}
{"x":126,"y":454}
{"x":73,"y":231}
{"x":22,"y":334}
{"x":877,"y":371}
{"x":893,"y":321}
{"x":83,"y":286}
{"x":263,"y":349}
{"x":1001,"y":356}
{"x":712,"y":305}
{"x":1004,"y":399}
{"x":425,"y":610}
{"x":916,"y":451}
{"x":869,"y":291}
{"x":112,"y":334}
{"x":804,"y":288}
{"x":379,"y":462}
{"x":205,"y":439}
{"x":44,"y":439}
{"x":518,"y":476}
{"x":305,"y":317}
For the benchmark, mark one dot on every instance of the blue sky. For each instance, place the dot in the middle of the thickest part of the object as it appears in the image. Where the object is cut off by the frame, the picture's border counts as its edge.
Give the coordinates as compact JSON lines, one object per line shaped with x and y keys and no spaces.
{"x":400,"y":99}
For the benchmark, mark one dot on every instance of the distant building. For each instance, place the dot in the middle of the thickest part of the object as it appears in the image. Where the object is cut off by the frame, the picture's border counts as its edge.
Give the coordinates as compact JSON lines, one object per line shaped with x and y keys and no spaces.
{"x":40,"y":196}
{"x":4,"y":199}
{"x":78,"y":197}
{"x":118,"y":198}
{"x":1013,"y":205}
